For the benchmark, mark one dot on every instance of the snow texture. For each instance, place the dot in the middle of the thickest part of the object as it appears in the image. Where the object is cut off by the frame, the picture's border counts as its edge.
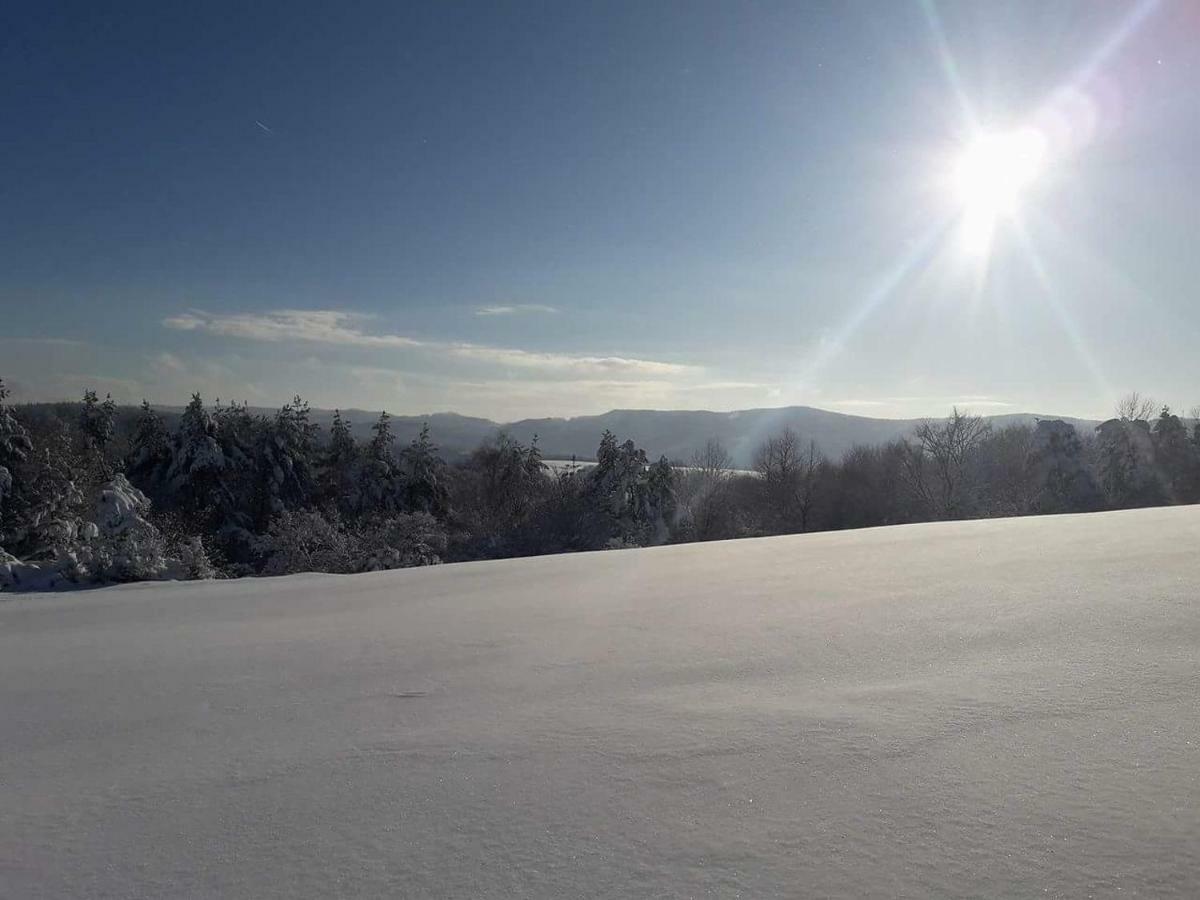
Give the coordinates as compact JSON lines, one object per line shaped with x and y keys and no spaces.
{"x":1004,"y":708}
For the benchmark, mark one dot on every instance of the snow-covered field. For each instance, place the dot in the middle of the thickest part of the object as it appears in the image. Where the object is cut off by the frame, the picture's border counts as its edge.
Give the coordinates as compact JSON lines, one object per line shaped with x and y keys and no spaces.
{"x":1007,"y":708}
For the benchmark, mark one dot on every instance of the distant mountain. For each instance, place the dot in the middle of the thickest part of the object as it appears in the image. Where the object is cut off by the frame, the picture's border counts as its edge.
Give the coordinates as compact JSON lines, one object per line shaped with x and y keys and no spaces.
{"x":675,"y":434}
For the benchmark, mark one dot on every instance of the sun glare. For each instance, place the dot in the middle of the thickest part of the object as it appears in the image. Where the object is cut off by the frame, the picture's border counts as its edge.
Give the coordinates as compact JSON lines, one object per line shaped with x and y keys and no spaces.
{"x":990,"y":177}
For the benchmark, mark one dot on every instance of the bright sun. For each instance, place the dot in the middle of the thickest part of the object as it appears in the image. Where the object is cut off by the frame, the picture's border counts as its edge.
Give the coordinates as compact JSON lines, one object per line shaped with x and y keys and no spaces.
{"x":990,"y":177}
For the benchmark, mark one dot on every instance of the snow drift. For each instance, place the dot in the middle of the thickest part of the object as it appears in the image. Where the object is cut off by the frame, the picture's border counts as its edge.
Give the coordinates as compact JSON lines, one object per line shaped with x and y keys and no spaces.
{"x":994,"y":708}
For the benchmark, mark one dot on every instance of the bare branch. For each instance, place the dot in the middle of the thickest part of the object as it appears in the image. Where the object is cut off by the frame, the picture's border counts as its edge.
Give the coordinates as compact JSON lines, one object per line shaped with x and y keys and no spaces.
{"x":1133,"y":407}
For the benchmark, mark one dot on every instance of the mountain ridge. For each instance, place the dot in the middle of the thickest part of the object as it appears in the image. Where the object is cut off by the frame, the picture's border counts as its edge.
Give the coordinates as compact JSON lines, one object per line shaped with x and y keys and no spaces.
{"x":674,"y":433}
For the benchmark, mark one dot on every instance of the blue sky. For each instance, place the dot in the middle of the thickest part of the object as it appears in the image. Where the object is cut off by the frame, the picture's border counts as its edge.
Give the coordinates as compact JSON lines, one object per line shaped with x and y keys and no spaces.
{"x":554,"y":209}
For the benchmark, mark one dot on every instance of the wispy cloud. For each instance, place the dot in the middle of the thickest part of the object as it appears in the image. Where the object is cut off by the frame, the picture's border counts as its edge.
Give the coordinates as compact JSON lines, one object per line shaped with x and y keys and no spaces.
{"x":335,"y":327}
{"x":568,"y":363}
{"x":905,"y":405}
{"x":316,"y":325}
{"x":43,"y":341}
{"x":516,"y":309}
{"x":263,"y":127}
{"x":168,"y":363}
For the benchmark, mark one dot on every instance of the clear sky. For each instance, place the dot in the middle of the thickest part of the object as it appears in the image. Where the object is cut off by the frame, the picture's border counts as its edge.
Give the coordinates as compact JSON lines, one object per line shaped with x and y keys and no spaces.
{"x":553,"y":208}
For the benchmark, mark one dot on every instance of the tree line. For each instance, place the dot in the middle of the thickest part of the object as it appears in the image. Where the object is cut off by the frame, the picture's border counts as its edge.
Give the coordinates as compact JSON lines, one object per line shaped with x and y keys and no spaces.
{"x":89,"y":496}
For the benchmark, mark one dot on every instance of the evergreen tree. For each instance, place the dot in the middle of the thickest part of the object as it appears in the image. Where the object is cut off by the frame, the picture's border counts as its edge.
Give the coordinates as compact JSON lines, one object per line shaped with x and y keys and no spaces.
{"x":338,"y":479}
{"x":96,"y":429}
{"x":383,"y":441}
{"x":505,"y":482}
{"x":1066,"y":485}
{"x":238,"y":433}
{"x":1174,"y":457}
{"x":535,"y":466}
{"x":149,"y":451}
{"x":1125,"y":463}
{"x":424,"y":477}
{"x":286,"y":460}
{"x":198,"y":464}
{"x":633,"y":499}
{"x":381,"y":483}
{"x":657,"y":502}
{"x":50,"y":501}
{"x":342,"y":447}
{"x":15,"y":447}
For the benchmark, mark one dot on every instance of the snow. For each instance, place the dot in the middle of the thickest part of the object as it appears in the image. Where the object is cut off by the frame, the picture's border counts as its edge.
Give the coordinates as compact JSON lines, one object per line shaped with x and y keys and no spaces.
{"x":120,"y":507}
{"x":997,"y":708}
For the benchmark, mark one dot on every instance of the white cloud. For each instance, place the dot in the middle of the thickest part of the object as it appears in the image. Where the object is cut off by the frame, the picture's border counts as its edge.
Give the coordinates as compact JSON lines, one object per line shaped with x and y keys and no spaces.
{"x":324,"y":326}
{"x":567,"y":363}
{"x":345,"y":329}
{"x":913,"y":407}
{"x":516,"y":309}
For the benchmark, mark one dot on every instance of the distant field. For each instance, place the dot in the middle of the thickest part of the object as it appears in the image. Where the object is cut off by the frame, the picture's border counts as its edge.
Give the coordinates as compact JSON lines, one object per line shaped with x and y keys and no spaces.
{"x":566,"y":465}
{"x":1001,"y":708}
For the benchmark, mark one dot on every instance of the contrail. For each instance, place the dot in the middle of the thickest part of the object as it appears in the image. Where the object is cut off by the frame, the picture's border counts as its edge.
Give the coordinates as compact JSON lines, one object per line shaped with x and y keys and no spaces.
{"x":263,"y":127}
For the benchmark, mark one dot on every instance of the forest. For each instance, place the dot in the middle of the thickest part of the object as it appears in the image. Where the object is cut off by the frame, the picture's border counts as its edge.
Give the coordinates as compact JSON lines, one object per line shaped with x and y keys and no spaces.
{"x":91,"y":493}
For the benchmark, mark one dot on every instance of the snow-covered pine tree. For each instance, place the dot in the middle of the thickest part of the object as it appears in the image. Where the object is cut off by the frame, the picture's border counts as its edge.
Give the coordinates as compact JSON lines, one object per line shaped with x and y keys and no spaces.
{"x":657,"y":502}
{"x":425,"y":487}
{"x":197,"y":463}
{"x":122,"y":545}
{"x":238,"y":432}
{"x":50,"y":502}
{"x":149,"y":454}
{"x":286,"y":460}
{"x":381,"y":485}
{"x":342,"y":447}
{"x":496,"y":492}
{"x":535,"y":467}
{"x":383,"y":442}
{"x":338,"y":478}
{"x":633,"y":498}
{"x":15,"y":447}
{"x":1174,"y":457}
{"x":97,"y":426}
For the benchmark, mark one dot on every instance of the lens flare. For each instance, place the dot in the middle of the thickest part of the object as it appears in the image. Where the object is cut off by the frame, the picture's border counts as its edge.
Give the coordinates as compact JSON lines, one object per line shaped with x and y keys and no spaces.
{"x":990,"y":177}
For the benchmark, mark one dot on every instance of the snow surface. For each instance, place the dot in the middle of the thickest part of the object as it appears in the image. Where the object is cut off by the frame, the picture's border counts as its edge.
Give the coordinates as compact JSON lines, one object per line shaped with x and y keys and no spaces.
{"x":1001,"y":708}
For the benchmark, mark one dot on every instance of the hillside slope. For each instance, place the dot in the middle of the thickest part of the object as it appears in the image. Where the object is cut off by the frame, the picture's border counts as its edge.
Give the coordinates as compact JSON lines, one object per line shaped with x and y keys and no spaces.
{"x":996,"y":708}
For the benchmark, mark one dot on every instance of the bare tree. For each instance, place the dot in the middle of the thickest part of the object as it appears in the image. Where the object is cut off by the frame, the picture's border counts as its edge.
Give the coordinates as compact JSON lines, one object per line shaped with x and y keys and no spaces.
{"x":704,"y":504}
{"x":789,"y":474}
{"x":712,"y":461}
{"x":776,"y":457}
{"x":1133,"y":407}
{"x":776,"y":461}
{"x":811,"y":465}
{"x":937,"y":462}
